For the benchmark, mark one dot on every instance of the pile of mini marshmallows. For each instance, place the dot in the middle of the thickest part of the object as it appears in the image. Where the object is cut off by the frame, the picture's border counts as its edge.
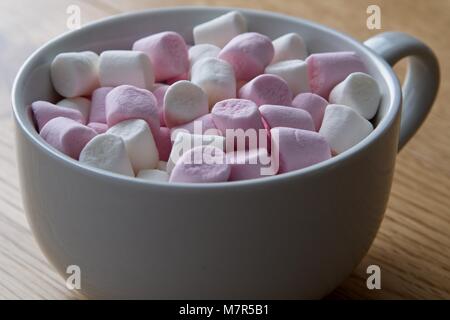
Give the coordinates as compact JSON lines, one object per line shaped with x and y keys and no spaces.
{"x":134,"y":112}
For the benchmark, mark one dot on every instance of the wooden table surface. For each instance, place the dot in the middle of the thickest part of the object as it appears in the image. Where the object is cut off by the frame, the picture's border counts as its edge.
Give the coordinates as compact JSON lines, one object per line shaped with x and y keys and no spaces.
{"x":413,"y":245}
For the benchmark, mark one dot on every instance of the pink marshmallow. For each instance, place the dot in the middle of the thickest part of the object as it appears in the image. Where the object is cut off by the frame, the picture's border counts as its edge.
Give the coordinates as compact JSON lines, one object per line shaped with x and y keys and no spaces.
{"x":203,"y":164}
{"x":267,"y":89}
{"x":164,"y":143}
{"x":167,"y":52}
{"x":296,"y":149}
{"x":281,"y":116}
{"x":44,"y":111}
{"x":159,"y":94}
{"x":98,"y":127}
{"x":236,"y":114}
{"x":67,"y":136}
{"x":249,"y":54}
{"x":204,"y":124}
{"x":326,"y":70}
{"x":128,"y":102}
{"x":98,"y":101}
{"x":249,"y":164}
{"x":312,"y":103}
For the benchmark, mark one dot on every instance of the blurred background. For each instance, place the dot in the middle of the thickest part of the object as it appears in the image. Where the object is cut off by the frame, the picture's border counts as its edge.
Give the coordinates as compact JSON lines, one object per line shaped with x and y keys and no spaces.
{"x":413,"y":245}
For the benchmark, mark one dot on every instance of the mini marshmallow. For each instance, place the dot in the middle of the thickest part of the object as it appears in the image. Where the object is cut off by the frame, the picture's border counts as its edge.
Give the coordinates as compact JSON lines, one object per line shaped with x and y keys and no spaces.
{"x":294,"y":72}
{"x":312,"y":103}
{"x":201,"y":51}
{"x":297,"y":149}
{"x":75,"y":74}
{"x":98,"y":102}
{"x":98,"y":127}
{"x":236,"y":114}
{"x":153,"y":175}
{"x":119,"y":67}
{"x":167,"y":52}
{"x":221,"y":30}
{"x":201,"y":125}
{"x":289,"y":46}
{"x":249,"y":54}
{"x":67,"y":135}
{"x":244,"y":119}
{"x":343,"y":127}
{"x":162,"y":165}
{"x":184,"y":101}
{"x":289,"y":117}
{"x":249,"y":164}
{"x":184,"y":142}
{"x":360,"y":92}
{"x":44,"y":111}
{"x":326,"y":70}
{"x":128,"y":102}
{"x":164,"y":143}
{"x":81,"y":104}
{"x":203,"y":164}
{"x":267,"y":89}
{"x":139,"y":142}
{"x":216,"y":78}
{"x":107,"y":152}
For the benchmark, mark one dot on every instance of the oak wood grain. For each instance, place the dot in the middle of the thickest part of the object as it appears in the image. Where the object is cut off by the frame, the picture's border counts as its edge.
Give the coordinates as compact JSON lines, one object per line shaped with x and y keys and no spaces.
{"x":413,"y":244}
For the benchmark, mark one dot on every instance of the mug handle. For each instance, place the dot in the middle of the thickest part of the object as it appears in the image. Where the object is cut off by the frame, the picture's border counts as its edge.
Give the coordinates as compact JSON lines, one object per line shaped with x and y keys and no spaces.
{"x":422,"y":78}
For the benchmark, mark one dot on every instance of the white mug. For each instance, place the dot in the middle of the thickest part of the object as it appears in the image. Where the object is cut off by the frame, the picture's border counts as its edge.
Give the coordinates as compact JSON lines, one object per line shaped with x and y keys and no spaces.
{"x":296,"y":235}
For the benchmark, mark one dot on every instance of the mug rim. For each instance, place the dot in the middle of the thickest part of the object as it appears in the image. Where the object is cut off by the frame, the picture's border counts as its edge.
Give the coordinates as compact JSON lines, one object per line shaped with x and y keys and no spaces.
{"x":386,"y":122}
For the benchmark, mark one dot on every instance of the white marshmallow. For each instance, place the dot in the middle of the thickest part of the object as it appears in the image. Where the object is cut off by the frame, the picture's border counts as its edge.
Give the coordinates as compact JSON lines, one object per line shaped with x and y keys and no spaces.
{"x":119,"y":67}
{"x":107,"y":152}
{"x":139,"y":142}
{"x":221,"y":30}
{"x":81,"y":104}
{"x":216,"y":78}
{"x":200,"y":51}
{"x":153,"y":175}
{"x":162,"y":165}
{"x":75,"y":74}
{"x":184,"y":102}
{"x":288,"y":47}
{"x":360,"y":92}
{"x":294,"y":72}
{"x":343,"y":127}
{"x":184,"y":142}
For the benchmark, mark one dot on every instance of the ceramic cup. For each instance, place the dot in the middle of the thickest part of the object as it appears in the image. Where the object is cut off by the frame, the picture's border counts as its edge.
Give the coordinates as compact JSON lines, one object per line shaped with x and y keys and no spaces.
{"x":297,"y":235}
